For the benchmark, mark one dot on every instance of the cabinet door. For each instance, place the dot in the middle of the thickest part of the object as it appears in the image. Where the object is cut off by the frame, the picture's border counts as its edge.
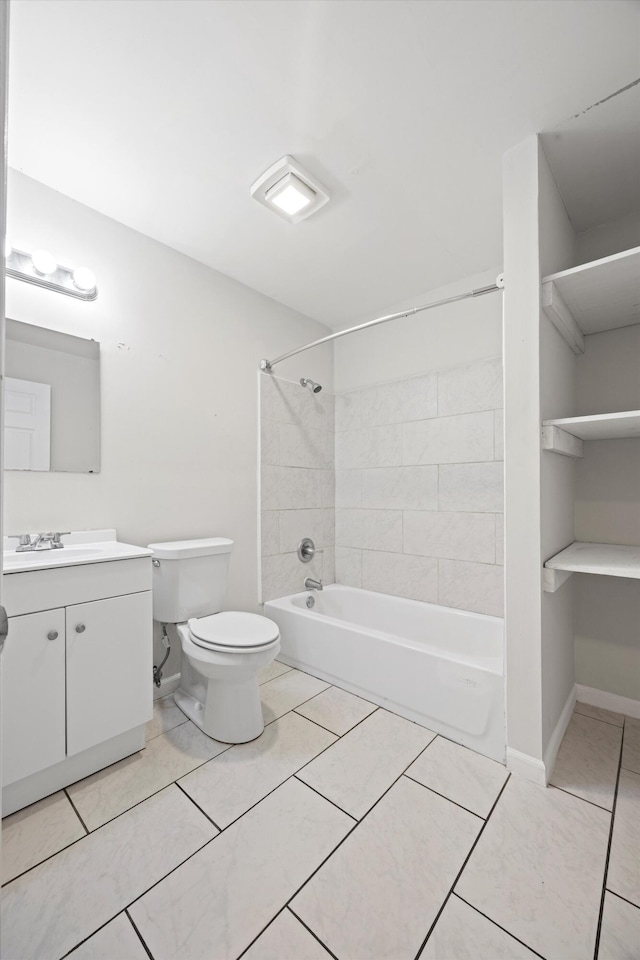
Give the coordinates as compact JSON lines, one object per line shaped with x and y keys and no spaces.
{"x":33,"y":714}
{"x":109,"y":669}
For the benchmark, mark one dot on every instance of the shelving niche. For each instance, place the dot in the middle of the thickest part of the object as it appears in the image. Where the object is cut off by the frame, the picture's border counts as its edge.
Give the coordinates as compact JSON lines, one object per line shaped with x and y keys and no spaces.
{"x":592,"y":298}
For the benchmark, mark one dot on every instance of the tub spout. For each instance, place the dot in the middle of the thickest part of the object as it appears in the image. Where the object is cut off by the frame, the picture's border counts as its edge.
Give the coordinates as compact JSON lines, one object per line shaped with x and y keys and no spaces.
{"x":311,"y":584}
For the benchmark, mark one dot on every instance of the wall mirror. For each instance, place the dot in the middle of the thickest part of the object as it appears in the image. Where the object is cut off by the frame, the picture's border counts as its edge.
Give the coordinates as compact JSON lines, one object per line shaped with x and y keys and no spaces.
{"x":51,"y":400}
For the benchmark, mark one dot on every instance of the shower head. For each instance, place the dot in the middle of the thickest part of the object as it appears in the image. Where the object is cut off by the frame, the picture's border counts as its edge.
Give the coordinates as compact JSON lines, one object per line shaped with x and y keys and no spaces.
{"x":313,"y":386}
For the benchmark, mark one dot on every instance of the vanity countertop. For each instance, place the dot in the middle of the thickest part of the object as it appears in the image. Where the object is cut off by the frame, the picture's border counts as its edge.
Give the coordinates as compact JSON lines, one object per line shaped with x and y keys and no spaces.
{"x":81,"y":547}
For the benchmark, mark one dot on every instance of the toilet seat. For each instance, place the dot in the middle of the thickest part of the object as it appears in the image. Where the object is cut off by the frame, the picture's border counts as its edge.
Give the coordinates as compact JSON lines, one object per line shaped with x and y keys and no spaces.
{"x":233,"y":631}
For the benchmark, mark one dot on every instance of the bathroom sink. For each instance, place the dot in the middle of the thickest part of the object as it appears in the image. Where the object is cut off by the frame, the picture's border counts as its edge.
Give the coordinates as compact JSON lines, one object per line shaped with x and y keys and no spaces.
{"x":70,"y":555}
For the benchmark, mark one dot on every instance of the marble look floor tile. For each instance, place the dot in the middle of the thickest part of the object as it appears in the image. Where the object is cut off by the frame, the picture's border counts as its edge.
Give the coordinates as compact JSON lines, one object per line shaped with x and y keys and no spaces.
{"x":460,"y":775}
{"x":286,"y":939}
{"x":538,"y":867}
{"x":288,"y":691}
{"x":110,"y":792}
{"x":58,"y":904}
{"x":223,"y":897}
{"x":272,"y":670}
{"x":379,"y":893}
{"x":631,"y":745}
{"x":227,"y":786}
{"x":37,"y":832}
{"x":599,"y":713}
{"x":588,"y":758}
{"x":357,"y":770}
{"x":337,"y":710}
{"x":117,"y":941}
{"x":623,"y":876}
{"x":166,"y":716}
{"x":464,"y":934}
{"x":620,"y":933}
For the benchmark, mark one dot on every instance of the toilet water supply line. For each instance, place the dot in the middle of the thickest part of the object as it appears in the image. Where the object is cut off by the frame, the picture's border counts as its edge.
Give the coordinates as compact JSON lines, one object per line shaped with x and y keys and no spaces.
{"x":267,"y":365}
{"x":157,"y":671}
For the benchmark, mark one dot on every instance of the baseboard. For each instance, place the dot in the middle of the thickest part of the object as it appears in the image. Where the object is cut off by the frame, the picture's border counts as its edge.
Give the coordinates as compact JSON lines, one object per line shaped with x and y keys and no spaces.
{"x":167,"y":686}
{"x":525,"y":766}
{"x":551,"y":750}
{"x":608,"y":701}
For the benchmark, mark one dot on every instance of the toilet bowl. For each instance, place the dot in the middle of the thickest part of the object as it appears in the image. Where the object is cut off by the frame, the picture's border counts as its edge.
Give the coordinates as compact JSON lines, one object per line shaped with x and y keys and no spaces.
{"x":221,"y":652}
{"x":221,"y":658}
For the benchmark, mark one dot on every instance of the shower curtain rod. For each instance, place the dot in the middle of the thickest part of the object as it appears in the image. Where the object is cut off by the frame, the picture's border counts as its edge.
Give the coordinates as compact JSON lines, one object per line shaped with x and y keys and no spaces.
{"x":267,"y":365}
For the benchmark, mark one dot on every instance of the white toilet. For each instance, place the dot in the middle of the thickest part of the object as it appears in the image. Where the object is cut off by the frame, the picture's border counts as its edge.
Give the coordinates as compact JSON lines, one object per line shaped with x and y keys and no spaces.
{"x":221,"y":652}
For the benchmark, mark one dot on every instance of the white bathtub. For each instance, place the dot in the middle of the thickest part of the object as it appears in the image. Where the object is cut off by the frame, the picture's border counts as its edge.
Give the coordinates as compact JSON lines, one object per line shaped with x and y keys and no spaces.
{"x":438,"y":666}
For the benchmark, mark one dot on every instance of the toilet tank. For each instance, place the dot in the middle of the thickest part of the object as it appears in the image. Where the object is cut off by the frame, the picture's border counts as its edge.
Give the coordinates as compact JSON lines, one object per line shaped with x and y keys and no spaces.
{"x":189,"y":578}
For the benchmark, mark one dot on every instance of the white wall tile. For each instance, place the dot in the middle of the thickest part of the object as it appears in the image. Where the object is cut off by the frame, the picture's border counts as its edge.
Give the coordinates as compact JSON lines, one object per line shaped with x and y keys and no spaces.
{"x":472,"y":486}
{"x":291,"y":488}
{"x":300,"y":446}
{"x":459,"y":439}
{"x":455,"y":536}
{"x":296,"y":524}
{"x":369,"y":447}
{"x":499,"y":538}
{"x":472,"y":586}
{"x":475,"y":386}
{"x":348,"y":569}
{"x":284,"y":574}
{"x":400,"y":488}
{"x":327,"y":488}
{"x":498,"y":426}
{"x":270,"y":532}
{"x":279,"y":399}
{"x":348,"y":411}
{"x":399,"y":401}
{"x":369,"y":529}
{"x":400,"y":575}
{"x":328,"y":565}
{"x":348,"y":488}
{"x":270,"y":442}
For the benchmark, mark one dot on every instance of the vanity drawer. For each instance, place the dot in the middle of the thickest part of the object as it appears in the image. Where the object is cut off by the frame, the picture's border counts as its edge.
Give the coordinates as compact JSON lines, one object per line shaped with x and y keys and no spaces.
{"x":33,"y":590}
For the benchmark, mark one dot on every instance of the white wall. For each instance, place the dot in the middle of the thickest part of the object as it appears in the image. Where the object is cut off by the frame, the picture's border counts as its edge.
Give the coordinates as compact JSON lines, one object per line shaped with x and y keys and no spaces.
{"x":180,"y":345}
{"x":608,"y":238}
{"x":444,"y":337}
{"x":556,"y":240}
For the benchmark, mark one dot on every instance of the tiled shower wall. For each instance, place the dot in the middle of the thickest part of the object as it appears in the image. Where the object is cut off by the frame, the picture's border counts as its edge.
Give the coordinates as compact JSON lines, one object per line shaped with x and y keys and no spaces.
{"x":419,"y":487}
{"x":297,"y":484}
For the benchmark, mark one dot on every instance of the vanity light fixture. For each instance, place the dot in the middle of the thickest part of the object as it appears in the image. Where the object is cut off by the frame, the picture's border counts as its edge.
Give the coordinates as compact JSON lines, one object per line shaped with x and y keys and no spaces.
{"x":289,"y":190}
{"x":42,"y":269}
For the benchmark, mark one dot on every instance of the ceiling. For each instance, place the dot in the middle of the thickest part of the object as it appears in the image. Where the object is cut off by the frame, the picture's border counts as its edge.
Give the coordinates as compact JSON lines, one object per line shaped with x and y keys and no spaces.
{"x":162,"y":113}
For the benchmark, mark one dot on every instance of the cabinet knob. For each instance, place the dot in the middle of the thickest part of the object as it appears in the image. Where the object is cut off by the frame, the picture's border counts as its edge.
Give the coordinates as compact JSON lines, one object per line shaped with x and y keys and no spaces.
{"x":52,"y":635}
{"x":80,"y":628}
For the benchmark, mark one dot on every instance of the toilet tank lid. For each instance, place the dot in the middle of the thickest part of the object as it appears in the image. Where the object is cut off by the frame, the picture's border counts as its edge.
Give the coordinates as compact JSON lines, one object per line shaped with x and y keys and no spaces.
{"x":180,"y":549}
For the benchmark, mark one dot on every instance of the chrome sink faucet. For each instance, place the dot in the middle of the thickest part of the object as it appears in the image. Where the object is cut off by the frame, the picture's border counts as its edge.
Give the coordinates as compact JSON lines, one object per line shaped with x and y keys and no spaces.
{"x":39,"y":541}
{"x":311,"y":584}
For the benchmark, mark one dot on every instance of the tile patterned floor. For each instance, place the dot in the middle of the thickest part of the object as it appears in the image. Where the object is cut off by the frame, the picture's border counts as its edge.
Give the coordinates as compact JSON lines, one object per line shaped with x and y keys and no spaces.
{"x":343,"y":832}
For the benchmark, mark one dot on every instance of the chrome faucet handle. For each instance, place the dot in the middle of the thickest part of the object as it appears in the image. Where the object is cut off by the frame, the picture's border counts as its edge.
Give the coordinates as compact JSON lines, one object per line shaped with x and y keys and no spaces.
{"x":24,"y":538}
{"x":56,"y":542}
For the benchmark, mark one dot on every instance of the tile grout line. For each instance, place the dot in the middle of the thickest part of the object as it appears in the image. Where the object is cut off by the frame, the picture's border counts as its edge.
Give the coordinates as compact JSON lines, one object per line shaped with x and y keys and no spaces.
{"x":198,"y":807}
{"x":495,"y":924}
{"x":431,"y":790}
{"x":314,"y":935}
{"x":461,"y":870}
{"x":350,"y":815}
{"x":140,"y":937}
{"x":620,"y":897}
{"x":606,"y":862}
{"x":76,"y":811}
{"x":578,"y":797}
{"x":163,"y":732}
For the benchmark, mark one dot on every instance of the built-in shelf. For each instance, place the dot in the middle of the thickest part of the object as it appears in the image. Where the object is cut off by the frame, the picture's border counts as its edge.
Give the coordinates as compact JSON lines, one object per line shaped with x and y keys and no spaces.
{"x":606,"y":559}
{"x":565,"y":436}
{"x":597,"y":296}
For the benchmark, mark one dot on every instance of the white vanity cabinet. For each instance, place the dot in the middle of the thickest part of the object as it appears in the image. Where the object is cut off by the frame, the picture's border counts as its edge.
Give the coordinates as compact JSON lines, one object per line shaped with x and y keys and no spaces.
{"x":109,"y":668}
{"x":33,"y":694}
{"x":77,"y":671}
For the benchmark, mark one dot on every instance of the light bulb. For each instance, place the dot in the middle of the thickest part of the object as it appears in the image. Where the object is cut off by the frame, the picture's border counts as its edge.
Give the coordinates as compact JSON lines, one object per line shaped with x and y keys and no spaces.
{"x":84,"y":279}
{"x":44,"y":262}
